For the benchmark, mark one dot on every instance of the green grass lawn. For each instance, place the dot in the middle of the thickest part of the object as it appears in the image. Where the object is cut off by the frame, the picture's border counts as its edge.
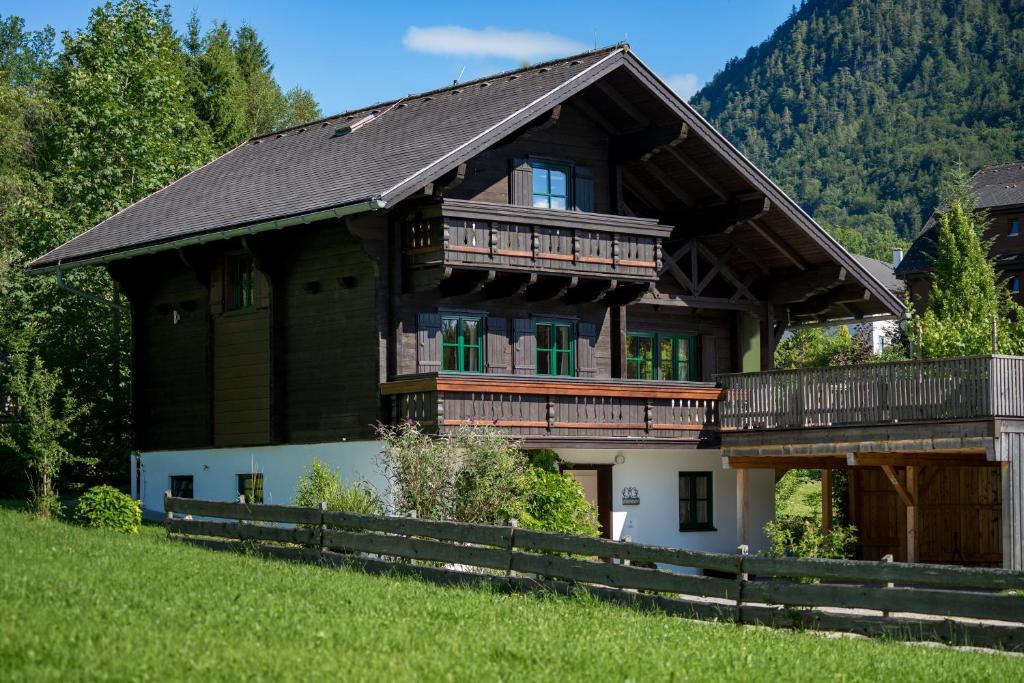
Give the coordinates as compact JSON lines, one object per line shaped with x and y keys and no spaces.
{"x":82,"y":604}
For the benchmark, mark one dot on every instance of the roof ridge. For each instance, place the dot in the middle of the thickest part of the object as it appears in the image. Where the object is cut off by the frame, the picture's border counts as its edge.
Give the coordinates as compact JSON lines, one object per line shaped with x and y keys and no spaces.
{"x":436,"y":91}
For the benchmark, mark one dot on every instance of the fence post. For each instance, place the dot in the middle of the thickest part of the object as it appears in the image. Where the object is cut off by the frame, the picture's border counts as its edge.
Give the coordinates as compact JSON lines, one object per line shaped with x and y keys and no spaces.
{"x":514,"y":523}
{"x":323,"y":529}
{"x":625,"y":539}
{"x":741,"y":581}
{"x":168,"y":515}
{"x":889,"y":584}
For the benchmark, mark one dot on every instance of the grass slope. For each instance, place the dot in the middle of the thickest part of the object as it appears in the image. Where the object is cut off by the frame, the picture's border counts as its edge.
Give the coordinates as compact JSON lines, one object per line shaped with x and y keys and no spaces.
{"x":81,"y":604}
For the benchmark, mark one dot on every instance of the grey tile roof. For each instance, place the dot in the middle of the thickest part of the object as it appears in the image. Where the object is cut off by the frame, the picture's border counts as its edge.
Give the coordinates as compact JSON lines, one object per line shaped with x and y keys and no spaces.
{"x":883,"y":272}
{"x":993,"y":186}
{"x":308,"y":168}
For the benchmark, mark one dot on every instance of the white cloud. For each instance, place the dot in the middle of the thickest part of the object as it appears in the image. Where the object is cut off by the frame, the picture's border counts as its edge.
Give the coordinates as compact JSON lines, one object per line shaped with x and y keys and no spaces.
{"x":488,"y":42}
{"x":685,"y":85}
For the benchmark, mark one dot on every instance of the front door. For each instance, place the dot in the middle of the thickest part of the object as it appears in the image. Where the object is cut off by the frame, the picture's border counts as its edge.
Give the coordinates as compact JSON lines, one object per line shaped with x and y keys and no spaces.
{"x":596,"y":481}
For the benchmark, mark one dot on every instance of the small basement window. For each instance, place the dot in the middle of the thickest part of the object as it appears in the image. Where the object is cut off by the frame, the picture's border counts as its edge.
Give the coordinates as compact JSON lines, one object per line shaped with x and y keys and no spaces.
{"x":550,"y":185}
{"x":251,"y":486}
{"x":696,"y":509}
{"x":462,"y":346}
{"x":238,"y":282}
{"x":181,"y":486}
{"x":555,"y":349}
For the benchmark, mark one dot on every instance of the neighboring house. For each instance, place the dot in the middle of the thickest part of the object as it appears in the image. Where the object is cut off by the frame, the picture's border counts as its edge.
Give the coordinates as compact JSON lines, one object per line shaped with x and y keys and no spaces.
{"x":568,"y":251}
{"x":999,"y":191}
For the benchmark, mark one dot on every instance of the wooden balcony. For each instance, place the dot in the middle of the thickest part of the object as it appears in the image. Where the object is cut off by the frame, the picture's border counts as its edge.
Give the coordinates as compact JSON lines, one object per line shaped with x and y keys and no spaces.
{"x":940,"y":390}
{"x":458,"y":235}
{"x":549,"y":411}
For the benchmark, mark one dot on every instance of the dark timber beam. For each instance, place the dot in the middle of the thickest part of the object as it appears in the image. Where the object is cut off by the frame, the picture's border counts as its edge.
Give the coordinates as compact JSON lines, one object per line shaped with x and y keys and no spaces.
{"x":691,"y":166}
{"x":589,"y":291}
{"x":594,"y":115}
{"x":509,"y":284}
{"x":769,"y":236}
{"x":548,"y":288}
{"x":669,"y":183}
{"x":449,"y":181}
{"x":644,"y":144}
{"x":718,"y":219}
{"x":626,"y":294}
{"x":797,"y":288}
{"x":462,"y":282}
{"x":822,"y":303}
{"x":621,"y":102}
{"x":545,"y":120}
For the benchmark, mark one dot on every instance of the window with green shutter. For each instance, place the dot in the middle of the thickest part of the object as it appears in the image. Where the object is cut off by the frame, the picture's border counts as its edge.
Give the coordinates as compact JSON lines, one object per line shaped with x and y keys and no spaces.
{"x":556,"y":349}
{"x":661,"y":356}
{"x":238,"y":282}
{"x":462,"y":344}
{"x":696,"y":504}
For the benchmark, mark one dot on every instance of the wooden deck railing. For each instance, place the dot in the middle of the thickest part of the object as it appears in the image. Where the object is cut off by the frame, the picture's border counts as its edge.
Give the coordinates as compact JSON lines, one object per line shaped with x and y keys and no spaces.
{"x":503,"y":237}
{"x":538,"y":407}
{"x":902,"y":601}
{"x":875,"y":393}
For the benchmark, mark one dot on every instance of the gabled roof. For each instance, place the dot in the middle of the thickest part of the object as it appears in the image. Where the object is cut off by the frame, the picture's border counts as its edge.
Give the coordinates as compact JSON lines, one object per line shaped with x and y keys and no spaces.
{"x":994,"y":187}
{"x":305,"y":173}
{"x":309,"y":168}
{"x":883,"y":272}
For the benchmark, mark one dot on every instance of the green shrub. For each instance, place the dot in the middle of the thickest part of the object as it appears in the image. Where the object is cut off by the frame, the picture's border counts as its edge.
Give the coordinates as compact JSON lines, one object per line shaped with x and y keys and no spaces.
{"x":105,"y":507}
{"x":799,"y":537}
{"x":555,"y":502}
{"x":321,"y":483}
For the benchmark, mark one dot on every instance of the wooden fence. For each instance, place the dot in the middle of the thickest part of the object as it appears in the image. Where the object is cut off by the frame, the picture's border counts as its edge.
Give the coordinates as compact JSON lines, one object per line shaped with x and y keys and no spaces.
{"x":957,"y":605}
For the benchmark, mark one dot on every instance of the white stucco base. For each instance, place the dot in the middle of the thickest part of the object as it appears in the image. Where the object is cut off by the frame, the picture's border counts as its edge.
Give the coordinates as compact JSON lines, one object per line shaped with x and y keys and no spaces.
{"x":655,"y":474}
{"x":215,"y":471}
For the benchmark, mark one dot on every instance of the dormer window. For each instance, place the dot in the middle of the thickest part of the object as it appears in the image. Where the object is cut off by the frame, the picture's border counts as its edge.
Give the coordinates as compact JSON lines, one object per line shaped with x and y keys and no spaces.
{"x":550,"y":185}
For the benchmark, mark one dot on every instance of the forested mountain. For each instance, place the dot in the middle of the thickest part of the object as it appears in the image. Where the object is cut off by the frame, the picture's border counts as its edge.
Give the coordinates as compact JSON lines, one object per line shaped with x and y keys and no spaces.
{"x":858,"y":107}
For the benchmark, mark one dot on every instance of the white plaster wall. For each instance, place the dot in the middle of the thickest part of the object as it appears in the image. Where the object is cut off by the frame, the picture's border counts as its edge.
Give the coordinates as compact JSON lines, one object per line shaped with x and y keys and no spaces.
{"x":215,"y":471}
{"x":655,"y":474}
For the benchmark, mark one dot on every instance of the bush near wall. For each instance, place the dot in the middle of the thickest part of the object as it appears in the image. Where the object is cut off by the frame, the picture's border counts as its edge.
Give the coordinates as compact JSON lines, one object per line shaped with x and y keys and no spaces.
{"x":105,"y":507}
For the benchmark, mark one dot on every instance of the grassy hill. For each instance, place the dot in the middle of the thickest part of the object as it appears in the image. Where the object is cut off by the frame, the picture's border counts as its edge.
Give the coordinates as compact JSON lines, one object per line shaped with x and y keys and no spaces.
{"x":857,"y":107}
{"x":82,"y":604}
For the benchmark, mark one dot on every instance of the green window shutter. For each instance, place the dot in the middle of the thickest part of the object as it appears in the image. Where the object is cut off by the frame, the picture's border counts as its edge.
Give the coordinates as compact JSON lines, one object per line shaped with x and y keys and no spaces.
{"x":708,"y":359}
{"x":586,"y":348}
{"x":497,"y":347}
{"x":524,"y":345}
{"x":521,"y":185}
{"x":428,"y":342}
{"x":583,"y":188}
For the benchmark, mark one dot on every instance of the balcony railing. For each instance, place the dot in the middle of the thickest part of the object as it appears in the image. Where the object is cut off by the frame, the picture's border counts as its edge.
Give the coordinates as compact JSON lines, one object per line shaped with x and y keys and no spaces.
{"x":875,"y":393}
{"x":457,"y":233}
{"x":544,"y":409}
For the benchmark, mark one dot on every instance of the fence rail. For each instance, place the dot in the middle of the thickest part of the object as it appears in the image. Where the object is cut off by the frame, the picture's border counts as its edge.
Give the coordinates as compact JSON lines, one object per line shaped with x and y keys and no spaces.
{"x":959,"y":605}
{"x":875,"y":393}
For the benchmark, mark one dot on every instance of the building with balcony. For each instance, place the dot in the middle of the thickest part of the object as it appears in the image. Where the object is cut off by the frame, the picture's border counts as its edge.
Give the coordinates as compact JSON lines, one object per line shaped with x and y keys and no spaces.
{"x":567,"y":251}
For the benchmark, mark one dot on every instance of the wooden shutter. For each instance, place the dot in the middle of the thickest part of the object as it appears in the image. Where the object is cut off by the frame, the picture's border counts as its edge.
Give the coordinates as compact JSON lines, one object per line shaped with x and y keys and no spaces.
{"x":708,"y":358}
{"x":525,"y":344}
{"x":583,"y":188}
{"x":428,"y":342}
{"x":521,"y":185}
{"x":586,"y":345}
{"x":497,"y":346}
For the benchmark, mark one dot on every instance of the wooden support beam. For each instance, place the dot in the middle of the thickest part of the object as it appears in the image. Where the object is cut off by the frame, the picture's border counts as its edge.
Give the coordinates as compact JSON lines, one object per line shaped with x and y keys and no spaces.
{"x":718,"y":219}
{"x":742,"y":287}
{"x":462,"y":282}
{"x":691,"y":166}
{"x":621,"y":102}
{"x":960,"y":458}
{"x":902,"y":490}
{"x":742,"y":507}
{"x":769,"y":236}
{"x":912,"y":516}
{"x":449,"y":181}
{"x":594,"y":115}
{"x":643,"y":194}
{"x":668,"y":183}
{"x":801,"y":287}
{"x":550,"y":288}
{"x":509,"y":284}
{"x":644,"y":144}
{"x":589,"y":291}
{"x":783,"y":462}
{"x":826,"y":501}
{"x":626,"y":294}
{"x":545,"y":120}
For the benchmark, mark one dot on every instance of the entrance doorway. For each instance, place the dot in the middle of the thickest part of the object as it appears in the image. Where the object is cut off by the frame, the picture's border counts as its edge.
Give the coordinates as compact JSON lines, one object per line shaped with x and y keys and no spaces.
{"x":596,"y":481}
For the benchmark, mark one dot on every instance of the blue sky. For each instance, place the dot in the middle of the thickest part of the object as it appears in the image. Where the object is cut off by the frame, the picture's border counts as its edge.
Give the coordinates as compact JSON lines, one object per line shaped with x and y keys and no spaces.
{"x":351,"y":55}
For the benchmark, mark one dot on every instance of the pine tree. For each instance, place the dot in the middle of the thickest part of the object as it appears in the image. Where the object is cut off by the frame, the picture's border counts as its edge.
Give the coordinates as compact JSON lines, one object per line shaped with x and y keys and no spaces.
{"x":220,"y":90}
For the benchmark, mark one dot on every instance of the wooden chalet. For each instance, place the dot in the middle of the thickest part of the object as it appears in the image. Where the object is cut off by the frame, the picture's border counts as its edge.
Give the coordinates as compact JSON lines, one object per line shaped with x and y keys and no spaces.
{"x":567,"y":251}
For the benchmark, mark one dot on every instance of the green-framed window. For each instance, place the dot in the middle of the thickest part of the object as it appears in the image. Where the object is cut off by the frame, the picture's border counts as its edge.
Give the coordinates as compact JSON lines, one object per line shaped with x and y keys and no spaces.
{"x":462,"y":343}
{"x":556,"y":353}
{"x":238,"y":282}
{"x":551,"y":185}
{"x":661,"y":356}
{"x":251,"y":486}
{"x":696,"y":501}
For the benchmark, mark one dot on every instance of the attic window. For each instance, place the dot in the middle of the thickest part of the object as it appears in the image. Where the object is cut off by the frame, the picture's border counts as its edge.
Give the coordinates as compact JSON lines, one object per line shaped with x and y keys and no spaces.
{"x":574,"y":62}
{"x":484,"y":85}
{"x":545,"y":70}
{"x":513,"y":77}
{"x":456,"y":92}
{"x":428,"y":99}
